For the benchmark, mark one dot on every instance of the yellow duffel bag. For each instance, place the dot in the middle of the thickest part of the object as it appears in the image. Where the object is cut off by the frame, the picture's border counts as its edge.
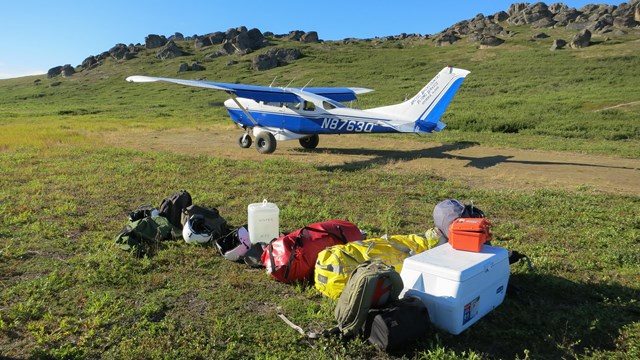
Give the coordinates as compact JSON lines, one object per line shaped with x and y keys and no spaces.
{"x":335,"y":263}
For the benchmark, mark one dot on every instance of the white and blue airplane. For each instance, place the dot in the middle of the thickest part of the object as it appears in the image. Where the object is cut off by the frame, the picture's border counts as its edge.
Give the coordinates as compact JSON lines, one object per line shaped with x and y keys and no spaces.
{"x":276,"y":114}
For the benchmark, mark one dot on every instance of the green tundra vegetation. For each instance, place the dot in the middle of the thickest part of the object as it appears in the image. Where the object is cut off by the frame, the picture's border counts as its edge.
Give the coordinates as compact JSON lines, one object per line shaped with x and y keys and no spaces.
{"x":67,"y":292}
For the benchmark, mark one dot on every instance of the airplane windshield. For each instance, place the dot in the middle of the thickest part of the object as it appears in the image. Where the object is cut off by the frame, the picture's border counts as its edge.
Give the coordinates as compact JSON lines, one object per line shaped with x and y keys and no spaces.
{"x":330,"y":104}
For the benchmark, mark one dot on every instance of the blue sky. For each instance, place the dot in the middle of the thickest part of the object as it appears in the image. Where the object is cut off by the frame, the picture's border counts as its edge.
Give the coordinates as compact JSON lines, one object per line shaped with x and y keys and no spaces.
{"x":40,"y":34}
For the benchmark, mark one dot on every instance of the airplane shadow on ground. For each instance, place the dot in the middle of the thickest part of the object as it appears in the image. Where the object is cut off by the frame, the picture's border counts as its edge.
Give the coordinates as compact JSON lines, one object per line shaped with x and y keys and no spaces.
{"x":382,"y":157}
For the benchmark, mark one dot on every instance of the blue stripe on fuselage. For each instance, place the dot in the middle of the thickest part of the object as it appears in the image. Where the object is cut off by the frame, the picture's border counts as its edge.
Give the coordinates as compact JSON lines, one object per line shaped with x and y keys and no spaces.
{"x":307,"y":125}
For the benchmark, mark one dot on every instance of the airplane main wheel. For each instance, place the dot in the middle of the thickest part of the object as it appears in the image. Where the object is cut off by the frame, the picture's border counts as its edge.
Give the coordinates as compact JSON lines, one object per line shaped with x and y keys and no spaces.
{"x":265,"y":143}
{"x":245,"y":141}
{"x":310,"y":142}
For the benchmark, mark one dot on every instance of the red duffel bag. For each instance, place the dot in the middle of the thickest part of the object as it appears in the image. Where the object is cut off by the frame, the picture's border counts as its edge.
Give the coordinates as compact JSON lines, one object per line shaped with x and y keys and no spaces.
{"x":293,"y":257}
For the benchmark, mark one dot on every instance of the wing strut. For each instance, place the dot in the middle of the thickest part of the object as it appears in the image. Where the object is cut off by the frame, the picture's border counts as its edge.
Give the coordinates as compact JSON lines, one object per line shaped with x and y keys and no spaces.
{"x":235,"y":100}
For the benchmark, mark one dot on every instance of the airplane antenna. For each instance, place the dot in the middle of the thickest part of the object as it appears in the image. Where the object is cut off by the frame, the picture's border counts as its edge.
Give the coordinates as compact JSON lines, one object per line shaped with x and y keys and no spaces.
{"x":307,"y":84}
{"x":289,"y":83}
{"x":273,"y":81}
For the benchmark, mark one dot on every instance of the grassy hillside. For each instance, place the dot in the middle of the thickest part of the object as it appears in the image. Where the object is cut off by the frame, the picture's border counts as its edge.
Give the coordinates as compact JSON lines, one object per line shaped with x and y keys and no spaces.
{"x":67,"y":292}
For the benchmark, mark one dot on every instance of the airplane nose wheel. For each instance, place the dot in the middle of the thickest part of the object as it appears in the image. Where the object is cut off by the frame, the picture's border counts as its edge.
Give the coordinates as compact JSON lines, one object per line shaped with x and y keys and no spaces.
{"x":310,"y":142}
{"x":245,"y":141}
{"x":265,"y":143}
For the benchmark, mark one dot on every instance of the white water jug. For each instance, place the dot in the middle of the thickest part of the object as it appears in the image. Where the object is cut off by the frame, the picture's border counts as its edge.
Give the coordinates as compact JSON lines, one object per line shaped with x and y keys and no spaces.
{"x":263,"y":222}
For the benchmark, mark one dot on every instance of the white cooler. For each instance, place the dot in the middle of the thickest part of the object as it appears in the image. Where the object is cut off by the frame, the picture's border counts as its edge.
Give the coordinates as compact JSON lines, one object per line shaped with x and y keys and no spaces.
{"x":458,"y":287}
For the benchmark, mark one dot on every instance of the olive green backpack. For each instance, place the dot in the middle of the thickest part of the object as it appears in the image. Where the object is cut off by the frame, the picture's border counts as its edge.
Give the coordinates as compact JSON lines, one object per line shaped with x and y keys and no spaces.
{"x":144,"y":235}
{"x":371,"y":285}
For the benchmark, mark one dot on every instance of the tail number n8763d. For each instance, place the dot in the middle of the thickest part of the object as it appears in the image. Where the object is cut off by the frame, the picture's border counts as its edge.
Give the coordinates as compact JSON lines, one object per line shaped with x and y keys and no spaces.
{"x":347,"y":125}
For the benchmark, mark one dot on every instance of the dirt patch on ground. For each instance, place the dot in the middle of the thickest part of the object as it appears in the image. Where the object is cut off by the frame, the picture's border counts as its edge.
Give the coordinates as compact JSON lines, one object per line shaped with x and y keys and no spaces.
{"x":479,"y":166}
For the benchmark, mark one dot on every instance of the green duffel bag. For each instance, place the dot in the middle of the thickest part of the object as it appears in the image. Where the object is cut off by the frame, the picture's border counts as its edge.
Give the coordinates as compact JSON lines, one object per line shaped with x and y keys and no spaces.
{"x":141,"y":235}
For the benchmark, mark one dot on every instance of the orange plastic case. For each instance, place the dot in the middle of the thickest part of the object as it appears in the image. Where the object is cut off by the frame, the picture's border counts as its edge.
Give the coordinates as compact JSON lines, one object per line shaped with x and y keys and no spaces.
{"x":469,"y":233}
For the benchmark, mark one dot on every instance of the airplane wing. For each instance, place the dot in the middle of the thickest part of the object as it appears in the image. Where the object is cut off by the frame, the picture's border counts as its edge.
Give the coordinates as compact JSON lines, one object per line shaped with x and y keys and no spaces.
{"x":338,"y":94}
{"x":260,"y":93}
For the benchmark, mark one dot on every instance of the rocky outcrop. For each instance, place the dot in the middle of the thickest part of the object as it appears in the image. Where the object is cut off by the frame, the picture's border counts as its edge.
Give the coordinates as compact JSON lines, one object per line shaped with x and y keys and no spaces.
{"x":169,"y":51}
{"x":275,"y":57}
{"x":598,"y":18}
{"x":238,"y":41}
{"x":122,"y":52}
{"x":89,"y":63}
{"x":153,"y":41}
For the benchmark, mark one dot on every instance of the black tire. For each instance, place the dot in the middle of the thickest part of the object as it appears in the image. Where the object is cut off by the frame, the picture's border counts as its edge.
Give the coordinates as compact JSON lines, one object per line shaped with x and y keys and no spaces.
{"x":245,"y":141}
{"x":310,"y":142}
{"x":265,"y":143}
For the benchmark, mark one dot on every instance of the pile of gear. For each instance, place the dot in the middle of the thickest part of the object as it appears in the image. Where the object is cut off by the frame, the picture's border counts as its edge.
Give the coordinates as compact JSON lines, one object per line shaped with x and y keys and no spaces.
{"x":178,"y":218}
{"x":361,"y":273}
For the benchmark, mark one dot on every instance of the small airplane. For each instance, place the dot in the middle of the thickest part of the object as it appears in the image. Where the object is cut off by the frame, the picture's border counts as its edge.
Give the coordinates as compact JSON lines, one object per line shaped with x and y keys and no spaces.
{"x":277,"y":114}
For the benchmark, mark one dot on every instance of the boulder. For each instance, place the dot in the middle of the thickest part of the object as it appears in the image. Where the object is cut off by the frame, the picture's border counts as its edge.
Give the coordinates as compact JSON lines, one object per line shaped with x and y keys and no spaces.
{"x":539,"y":36}
{"x":500,"y":16}
{"x":153,"y":41}
{"x":169,"y":51}
{"x":581,"y":40}
{"x":530,"y":14}
{"x":490,"y":41}
{"x":558,"y":44}
{"x":636,"y":13}
{"x":564,"y":17}
{"x":177,"y":37}
{"x":89,"y":63}
{"x":120,"y":52}
{"x":183,"y":67}
{"x":264,"y":62}
{"x":310,"y":37}
{"x":446,"y":38}
{"x":67,"y":70}
{"x":275,"y":57}
{"x":295,"y":35}
{"x":624,"y":22}
{"x":257,"y":39}
{"x":54,"y":71}
{"x":55,"y":83}
{"x":557,"y":8}
{"x":195,"y":66}
{"x":515,"y":8}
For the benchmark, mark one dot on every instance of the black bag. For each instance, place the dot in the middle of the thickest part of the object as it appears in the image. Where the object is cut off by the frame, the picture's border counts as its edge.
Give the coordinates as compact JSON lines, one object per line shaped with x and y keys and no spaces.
{"x":402,"y":322}
{"x":171,"y":207}
{"x":214,"y":223}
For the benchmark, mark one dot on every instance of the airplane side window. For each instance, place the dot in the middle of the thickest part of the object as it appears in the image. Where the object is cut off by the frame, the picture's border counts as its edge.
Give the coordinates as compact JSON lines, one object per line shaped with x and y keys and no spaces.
{"x":327,"y":105}
{"x":309,"y":106}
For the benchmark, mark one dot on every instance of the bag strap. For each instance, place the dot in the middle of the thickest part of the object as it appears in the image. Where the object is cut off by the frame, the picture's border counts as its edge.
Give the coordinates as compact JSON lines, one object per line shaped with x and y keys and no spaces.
{"x":271,"y":259}
{"x":309,"y":335}
{"x":296,"y":243}
{"x":516,"y":257}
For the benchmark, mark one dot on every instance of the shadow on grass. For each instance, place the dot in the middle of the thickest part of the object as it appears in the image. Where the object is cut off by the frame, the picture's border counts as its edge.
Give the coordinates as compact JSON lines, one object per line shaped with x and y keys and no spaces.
{"x":551,"y":318}
{"x":382,"y":157}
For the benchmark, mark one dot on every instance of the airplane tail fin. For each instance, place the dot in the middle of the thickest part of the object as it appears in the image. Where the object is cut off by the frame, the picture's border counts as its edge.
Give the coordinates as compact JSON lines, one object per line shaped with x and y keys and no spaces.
{"x":423,"y":111}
